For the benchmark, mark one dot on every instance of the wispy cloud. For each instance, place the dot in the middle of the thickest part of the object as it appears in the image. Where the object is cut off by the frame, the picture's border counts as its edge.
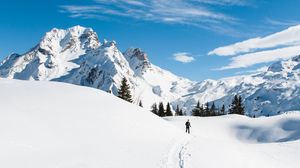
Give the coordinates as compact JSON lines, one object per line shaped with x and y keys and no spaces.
{"x":183,"y":57}
{"x":281,"y":22}
{"x":247,"y":60}
{"x":189,"y":12}
{"x":281,"y":45}
{"x":226,"y":2}
{"x":287,"y":37}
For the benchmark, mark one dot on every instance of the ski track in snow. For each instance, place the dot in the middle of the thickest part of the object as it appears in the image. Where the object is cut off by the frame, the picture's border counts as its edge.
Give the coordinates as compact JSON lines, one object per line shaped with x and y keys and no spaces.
{"x":177,"y":155}
{"x":183,"y":155}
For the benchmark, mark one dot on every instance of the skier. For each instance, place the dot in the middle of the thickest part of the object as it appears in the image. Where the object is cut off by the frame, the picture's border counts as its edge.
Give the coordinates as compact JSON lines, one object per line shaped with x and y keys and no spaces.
{"x":187,"y":126}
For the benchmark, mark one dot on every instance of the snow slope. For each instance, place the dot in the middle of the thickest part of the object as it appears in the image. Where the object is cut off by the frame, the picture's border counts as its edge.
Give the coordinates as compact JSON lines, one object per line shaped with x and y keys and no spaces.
{"x":57,"y":125}
{"x":236,"y":141}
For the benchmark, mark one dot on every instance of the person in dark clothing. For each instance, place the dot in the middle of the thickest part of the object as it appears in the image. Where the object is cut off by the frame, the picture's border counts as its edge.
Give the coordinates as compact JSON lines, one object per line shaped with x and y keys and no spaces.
{"x":187,"y":126}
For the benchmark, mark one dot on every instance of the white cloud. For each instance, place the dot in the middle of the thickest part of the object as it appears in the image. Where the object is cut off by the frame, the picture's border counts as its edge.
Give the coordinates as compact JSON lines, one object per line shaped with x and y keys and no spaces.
{"x":183,"y":57}
{"x":247,"y":60}
{"x":226,"y":2}
{"x":189,"y":12}
{"x":281,"y":45}
{"x":281,"y":22}
{"x":287,"y":37}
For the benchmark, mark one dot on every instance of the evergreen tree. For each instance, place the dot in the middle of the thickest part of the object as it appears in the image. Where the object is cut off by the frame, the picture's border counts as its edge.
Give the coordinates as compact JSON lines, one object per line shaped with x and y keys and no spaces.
{"x":241,"y":108}
{"x":181,"y":113}
{"x":168,"y":110}
{"x":177,"y":111}
{"x":213,"y":109}
{"x":202,"y":112}
{"x":233,"y":106}
{"x":237,"y":106}
{"x":154,"y":109}
{"x":206,"y":110}
{"x":196,"y":110}
{"x":161,"y":110}
{"x":140,"y":103}
{"x":222,"y":111}
{"x":124,"y":91}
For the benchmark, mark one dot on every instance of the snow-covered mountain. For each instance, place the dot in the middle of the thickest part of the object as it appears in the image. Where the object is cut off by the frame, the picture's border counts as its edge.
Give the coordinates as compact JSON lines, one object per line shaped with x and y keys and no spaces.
{"x":77,"y":56}
{"x":266,"y":93}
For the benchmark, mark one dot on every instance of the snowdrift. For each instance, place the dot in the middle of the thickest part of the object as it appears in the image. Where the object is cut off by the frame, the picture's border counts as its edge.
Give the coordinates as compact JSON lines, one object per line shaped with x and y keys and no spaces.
{"x":235,"y":141}
{"x":57,"y":125}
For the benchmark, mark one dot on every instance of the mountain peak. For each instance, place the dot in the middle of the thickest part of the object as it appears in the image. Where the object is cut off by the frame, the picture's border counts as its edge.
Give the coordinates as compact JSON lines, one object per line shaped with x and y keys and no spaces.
{"x":60,"y":40}
{"x":79,"y":28}
{"x":109,"y":43}
{"x":137,"y":59}
{"x":75,"y":30}
{"x":137,"y":53}
{"x":285,"y":65}
{"x":296,"y":58}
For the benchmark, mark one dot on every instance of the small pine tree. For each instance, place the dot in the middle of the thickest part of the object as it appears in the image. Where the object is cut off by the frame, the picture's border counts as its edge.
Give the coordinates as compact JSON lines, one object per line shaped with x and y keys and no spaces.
{"x":237,"y":106}
{"x":140,"y":103}
{"x":154,"y":109}
{"x":124,"y":91}
{"x":181,"y":113}
{"x":206,"y":110}
{"x":233,"y":106}
{"x":241,"y":108}
{"x":161,"y":110}
{"x":196,"y":110}
{"x":168,"y":110}
{"x":177,"y":111}
{"x":222,"y":111}
{"x":202,"y":112}
{"x":213,"y":109}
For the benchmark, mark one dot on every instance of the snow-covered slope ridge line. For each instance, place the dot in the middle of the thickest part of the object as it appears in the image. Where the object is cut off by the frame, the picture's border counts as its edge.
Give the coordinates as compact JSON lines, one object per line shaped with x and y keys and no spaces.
{"x":76,"y":56}
{"x":50,"y":124}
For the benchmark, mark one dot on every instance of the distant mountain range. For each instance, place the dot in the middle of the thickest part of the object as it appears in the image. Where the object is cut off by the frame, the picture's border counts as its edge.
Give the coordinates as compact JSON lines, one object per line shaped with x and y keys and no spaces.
{"x":77,"y":56}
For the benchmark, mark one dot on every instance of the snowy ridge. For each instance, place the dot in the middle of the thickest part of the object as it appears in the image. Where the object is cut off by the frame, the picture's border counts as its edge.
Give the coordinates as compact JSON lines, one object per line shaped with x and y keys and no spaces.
{"x":76,"y":56}
{"x":57,"y":125}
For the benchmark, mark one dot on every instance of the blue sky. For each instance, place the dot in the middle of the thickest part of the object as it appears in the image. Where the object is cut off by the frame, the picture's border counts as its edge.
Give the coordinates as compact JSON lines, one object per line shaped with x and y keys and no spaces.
{"x":182,"y":36}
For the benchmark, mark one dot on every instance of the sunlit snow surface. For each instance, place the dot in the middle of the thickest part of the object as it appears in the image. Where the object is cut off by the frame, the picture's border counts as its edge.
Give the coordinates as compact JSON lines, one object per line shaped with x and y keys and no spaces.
{"x":236,"y":141}
{"x":57,"y":125}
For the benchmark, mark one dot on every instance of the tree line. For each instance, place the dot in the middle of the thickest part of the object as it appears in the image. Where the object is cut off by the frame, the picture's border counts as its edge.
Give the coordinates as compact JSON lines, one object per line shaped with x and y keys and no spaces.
{"x":236,"y":107}
{"x":160,"y":110}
